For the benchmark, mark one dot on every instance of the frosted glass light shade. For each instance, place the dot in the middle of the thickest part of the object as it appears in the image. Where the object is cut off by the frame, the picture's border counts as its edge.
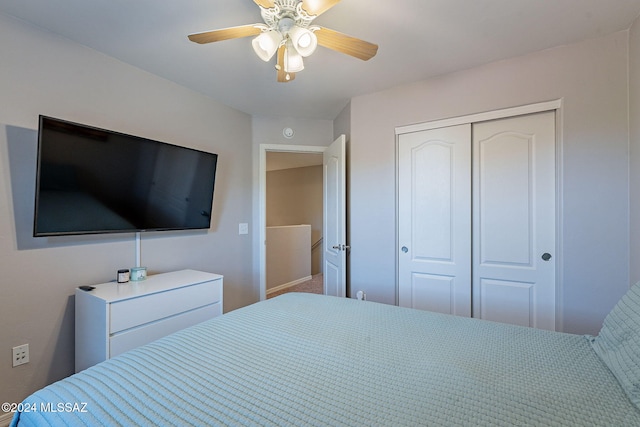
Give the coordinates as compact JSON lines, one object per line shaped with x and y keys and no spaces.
{"x":292,"y":60}
{"x":303,"y":40}
{"x":266,"y":44}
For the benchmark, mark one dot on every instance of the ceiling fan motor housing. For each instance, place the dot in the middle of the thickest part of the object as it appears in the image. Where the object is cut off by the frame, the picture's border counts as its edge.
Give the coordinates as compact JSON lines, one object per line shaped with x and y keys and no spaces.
{"x":291,"y":21}
{"x":289,"y":9}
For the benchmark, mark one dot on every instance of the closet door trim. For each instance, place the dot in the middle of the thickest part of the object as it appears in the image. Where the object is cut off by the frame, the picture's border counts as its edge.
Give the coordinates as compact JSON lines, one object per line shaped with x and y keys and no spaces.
{"x":552,"y":105}
{"x":481,"y":117}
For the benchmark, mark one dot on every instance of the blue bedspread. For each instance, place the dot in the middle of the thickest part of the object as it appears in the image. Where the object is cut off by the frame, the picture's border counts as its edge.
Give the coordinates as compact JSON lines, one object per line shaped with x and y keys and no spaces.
{"x":311,"y":360}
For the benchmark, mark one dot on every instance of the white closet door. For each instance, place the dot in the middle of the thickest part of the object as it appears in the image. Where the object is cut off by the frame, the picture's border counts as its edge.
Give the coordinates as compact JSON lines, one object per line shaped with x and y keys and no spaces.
{"x":514,"y":220}
{"x":434,"y":220}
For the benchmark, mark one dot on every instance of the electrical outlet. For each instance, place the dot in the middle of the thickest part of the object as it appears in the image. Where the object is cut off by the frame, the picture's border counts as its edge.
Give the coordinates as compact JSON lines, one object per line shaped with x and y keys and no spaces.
{"x":361,"y":295}
{"x":20,"y":355}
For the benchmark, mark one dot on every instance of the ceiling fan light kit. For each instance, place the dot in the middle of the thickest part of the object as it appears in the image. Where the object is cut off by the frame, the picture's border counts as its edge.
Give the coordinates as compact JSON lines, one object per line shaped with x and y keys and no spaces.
{"x":303,"y":40}
{"x":293,"y":62}
{"x":287,"y":31}
{"x":266,"y":44}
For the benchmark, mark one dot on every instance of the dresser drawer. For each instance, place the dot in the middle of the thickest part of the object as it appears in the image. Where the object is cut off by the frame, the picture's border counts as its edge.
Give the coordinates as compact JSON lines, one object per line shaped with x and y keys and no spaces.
{"x":132,"y":338}
{"x":138,"y":311}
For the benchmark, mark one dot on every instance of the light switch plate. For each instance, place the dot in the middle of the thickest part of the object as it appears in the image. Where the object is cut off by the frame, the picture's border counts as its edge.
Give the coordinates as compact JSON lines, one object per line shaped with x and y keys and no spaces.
{"x":243,"y":228}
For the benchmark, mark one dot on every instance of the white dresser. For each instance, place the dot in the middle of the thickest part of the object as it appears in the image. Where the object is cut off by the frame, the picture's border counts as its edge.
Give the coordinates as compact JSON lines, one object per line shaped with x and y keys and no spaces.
{"x":114,"y":318}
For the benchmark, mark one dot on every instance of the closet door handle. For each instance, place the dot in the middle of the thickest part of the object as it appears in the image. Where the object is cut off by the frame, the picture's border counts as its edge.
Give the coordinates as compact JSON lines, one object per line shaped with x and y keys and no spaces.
{"x":546,"y":256}
{"x":405,"y":249}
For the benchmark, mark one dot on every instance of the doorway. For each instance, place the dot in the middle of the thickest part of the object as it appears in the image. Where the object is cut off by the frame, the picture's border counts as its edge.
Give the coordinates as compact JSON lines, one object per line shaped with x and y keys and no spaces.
{"x":291,"y":153}
{"x":334,"y":245}
{"x":294,"y":213}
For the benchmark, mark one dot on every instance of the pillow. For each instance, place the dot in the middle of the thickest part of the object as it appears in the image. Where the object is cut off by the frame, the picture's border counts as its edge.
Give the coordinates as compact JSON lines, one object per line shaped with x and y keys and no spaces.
{"x":618,"y":343}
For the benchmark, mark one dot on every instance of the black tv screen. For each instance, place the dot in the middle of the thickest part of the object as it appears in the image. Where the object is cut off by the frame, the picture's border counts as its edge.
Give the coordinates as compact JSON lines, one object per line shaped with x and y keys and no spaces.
{"x":92,"y":180}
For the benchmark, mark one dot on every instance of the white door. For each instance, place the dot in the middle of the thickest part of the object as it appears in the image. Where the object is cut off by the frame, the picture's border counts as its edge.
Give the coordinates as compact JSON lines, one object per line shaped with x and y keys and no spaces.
{"x":434,"y":191}
{"x":335,"y":221}
{"x":514,"y":220}
{"x":479,"y":243}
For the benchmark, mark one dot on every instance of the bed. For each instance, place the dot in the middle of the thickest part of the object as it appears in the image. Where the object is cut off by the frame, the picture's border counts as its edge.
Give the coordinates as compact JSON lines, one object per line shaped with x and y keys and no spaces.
{"x":313,"y":360}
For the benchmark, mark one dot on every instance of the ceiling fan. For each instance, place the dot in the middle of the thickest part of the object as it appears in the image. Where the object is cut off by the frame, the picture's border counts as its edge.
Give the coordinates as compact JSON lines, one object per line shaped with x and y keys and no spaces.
{"x":288,"y":34}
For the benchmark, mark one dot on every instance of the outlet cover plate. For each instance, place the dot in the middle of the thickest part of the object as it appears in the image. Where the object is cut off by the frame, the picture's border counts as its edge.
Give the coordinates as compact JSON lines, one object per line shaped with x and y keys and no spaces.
{"x":20,"y":355}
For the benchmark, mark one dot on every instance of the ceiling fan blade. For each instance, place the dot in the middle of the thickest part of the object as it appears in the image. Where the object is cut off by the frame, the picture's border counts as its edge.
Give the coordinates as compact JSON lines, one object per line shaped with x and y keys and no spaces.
{"x":346,"y":44}
{"x":226,"y":34}
{"x":318,"y":7}
{"x":283,"y":76}
{"x":267,"y":4}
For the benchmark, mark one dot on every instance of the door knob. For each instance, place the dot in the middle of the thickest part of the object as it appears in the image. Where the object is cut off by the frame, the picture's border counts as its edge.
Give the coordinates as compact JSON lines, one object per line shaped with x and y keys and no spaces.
{"x":405,"y":249}
{"x":546,"y":256}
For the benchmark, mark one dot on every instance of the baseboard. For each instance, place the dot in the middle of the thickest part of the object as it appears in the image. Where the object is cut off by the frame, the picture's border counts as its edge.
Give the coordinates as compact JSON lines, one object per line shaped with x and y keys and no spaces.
{"x":285,"y":286}
{"x":5,"y":419}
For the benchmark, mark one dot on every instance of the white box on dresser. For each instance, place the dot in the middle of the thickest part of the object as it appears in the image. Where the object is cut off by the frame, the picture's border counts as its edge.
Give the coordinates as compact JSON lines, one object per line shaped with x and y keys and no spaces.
{"x":117,"y":317}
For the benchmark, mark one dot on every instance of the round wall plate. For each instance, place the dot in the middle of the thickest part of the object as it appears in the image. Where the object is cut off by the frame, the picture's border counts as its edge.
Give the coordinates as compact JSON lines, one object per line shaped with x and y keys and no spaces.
{"x":288,"y":133}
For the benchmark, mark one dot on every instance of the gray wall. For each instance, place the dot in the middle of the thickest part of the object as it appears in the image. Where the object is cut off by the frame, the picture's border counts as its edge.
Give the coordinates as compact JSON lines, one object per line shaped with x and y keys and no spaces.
{"x":342,"y":123}
{"x":634,"y":149}
{"x":591,"y":79}
{"x":44,"y":74}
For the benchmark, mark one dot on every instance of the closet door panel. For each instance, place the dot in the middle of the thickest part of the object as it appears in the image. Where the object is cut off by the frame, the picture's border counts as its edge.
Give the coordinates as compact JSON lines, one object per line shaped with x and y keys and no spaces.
{"x":507,"y":301}
{"x":433,"y":292}
{"x":505,"y":177}
{"x":514,"y":220}
{"x":432,"y":194}
{"x":434,"y":220}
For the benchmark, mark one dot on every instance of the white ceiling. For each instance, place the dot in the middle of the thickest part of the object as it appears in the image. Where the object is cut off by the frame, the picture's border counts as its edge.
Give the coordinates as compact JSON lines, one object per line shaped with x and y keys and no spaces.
{"x":417,"y":39}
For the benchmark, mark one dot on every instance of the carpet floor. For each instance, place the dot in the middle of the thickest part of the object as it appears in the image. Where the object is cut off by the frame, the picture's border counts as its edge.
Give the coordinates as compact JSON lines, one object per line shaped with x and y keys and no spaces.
{"x":313,"y":286}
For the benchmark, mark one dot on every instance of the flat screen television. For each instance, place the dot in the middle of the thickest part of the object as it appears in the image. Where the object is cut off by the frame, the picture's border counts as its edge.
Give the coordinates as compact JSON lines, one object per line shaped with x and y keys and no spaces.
{"x":92,"y":181}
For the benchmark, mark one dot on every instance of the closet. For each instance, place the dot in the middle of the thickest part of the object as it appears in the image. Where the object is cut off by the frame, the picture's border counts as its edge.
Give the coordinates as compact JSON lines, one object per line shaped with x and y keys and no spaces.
{"x":477,"y":219}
